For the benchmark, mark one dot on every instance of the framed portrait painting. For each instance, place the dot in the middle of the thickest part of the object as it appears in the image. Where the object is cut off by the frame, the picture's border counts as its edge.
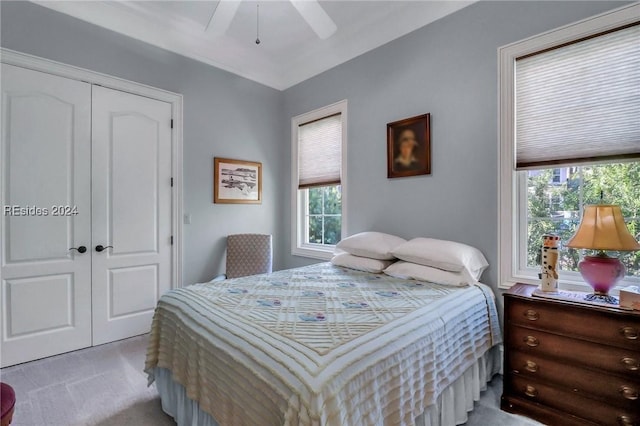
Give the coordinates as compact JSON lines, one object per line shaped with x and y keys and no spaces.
{"x":409,"y":147}
{"x":237,"y":181}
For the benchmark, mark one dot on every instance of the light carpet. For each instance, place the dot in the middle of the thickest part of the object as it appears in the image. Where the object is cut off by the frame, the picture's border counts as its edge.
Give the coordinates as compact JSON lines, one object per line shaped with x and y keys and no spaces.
{"x":105,"y":386}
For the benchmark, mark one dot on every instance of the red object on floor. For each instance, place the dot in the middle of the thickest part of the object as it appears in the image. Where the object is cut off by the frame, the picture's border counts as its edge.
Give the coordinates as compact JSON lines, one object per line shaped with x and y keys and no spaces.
{"x":7,"y":403}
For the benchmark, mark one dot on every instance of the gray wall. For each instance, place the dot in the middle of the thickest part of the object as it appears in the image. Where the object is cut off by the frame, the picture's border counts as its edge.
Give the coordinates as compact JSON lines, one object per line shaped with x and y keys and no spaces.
{"x":224,"y":115}
{"x":449,"y":69}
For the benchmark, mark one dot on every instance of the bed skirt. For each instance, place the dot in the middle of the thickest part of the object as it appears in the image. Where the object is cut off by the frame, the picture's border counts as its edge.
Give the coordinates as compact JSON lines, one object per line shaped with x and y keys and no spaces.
{"x":450,"y":409}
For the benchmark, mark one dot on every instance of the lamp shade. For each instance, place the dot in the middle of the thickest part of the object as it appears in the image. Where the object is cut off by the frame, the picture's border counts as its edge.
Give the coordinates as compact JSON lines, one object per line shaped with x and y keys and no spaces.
{"x":603,"y":228}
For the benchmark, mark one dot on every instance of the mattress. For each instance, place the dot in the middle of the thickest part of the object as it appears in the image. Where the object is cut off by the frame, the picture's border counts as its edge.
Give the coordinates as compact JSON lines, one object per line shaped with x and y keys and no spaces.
{"x":320,"y":345}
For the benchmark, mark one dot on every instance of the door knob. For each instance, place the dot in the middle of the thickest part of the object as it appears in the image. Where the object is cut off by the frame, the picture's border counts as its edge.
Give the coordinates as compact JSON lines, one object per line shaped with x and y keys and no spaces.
{"x":81,"y":249}
{"x":100,"y":248}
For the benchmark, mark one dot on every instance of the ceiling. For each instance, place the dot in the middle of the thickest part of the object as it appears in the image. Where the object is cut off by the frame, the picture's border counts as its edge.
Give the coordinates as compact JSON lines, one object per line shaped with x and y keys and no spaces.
{"x":290,"y":50}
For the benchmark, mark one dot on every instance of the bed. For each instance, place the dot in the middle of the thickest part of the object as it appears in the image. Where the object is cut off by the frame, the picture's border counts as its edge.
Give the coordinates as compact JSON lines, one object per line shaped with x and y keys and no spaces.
{"x":322,"y":345}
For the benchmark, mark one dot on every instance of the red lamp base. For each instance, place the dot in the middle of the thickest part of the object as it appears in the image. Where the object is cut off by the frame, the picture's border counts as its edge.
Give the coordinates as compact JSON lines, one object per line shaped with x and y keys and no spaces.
{"x":602,"y":273}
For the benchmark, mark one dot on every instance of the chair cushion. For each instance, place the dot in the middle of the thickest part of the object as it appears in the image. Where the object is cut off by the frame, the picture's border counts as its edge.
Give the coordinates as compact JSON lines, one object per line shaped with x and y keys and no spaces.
{"x":248,"y":254}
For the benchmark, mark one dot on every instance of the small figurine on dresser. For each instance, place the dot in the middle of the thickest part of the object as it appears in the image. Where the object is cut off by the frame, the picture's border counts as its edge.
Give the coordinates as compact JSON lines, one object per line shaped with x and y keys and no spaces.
{"x":630,"y":297}
{"x":549,"y":263}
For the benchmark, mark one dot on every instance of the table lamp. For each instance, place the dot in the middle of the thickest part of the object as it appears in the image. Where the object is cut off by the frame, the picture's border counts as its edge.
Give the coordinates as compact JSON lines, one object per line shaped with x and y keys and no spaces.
{"x":602,"y":228}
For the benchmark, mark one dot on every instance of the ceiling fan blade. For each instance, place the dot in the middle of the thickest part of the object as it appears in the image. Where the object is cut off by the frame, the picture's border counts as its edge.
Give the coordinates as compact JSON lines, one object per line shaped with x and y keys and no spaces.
{"x":316,"y":17}
{"x":222,"y":17}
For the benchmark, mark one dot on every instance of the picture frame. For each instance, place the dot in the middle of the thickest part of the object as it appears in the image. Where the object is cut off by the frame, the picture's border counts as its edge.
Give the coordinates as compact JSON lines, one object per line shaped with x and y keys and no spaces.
{"x":409,"y":147}
{"x":236,"y":181}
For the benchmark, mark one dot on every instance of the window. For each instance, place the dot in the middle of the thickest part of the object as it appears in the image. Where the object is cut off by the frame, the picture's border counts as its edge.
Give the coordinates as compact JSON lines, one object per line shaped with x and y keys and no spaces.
{"x":569,"y":136}
{"x":561,"y":216}
{"x":318,"y":180}
{"x":323,"y":215}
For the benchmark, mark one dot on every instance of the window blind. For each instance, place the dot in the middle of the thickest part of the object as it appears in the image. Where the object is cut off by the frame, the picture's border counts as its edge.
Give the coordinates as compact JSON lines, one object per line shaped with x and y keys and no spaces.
{"x":320,"y":152}
{"x":580,"y":102}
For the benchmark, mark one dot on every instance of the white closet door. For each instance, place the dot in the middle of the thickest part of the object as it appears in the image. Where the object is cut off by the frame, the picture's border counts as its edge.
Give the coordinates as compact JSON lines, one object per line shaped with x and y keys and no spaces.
{"x":131,"y":199}
{"x":46,"y":288}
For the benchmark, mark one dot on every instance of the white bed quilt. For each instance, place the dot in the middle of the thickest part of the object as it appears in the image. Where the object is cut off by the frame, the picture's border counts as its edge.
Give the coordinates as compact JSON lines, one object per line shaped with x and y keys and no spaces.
{"x":320,"y":345}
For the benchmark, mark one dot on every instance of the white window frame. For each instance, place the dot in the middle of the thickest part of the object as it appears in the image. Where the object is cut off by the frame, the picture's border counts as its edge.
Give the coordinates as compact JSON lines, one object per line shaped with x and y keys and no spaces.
{"x":299,"y":247}
{"x":511,"y":208}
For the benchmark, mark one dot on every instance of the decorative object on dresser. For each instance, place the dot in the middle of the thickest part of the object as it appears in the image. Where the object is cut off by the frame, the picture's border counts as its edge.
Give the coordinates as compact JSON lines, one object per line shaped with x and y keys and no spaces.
{"x":602,"y":228}
{"x":570,"y":364}
{"x":549,"y":263}
{"x":630,"y":297}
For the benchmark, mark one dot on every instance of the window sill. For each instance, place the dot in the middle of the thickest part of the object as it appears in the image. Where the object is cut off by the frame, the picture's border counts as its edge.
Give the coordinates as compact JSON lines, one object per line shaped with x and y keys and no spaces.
{"x":568,"y":285}
{"x":563,"y":284}
{"x":313,"y":252}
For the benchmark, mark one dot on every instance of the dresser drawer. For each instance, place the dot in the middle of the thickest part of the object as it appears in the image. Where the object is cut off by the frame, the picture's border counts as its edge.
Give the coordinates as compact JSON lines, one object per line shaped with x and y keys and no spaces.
{"x":611,"y":389}
{"x":621,"y":330}
{"x":596,"y":411}
{"x":542,"y":413}
{"x":574,"y":352}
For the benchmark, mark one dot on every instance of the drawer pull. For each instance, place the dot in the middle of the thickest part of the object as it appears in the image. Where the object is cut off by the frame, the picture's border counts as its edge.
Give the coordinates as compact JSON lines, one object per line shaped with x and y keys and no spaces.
{"x":531,"y":391}
{"x":624,"y":421}
{"x":629,"y":333}
{"x":628,"y":392}
{"x":531,"y":315}
{"x":531,"y":366}
{"x":531,"y":341}
{"x":630,"y":364}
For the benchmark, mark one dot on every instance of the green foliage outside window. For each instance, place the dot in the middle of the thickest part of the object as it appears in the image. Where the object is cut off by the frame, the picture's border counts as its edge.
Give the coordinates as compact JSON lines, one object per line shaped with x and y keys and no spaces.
{"x":556,"y":207}
{"x":325,"y":215}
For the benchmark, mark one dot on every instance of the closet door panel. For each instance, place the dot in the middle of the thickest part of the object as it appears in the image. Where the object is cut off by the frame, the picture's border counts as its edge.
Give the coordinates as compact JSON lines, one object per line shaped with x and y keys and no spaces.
{"x":54,"y":289}
{"x":39,"y":175}
{"x":133,"y":196}
{"x":45,"y":296}
{"x":131,"y":201}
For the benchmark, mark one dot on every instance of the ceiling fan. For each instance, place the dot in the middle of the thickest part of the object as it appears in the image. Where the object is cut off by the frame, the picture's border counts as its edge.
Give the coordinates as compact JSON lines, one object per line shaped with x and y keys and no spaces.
{"x":310,"y":10}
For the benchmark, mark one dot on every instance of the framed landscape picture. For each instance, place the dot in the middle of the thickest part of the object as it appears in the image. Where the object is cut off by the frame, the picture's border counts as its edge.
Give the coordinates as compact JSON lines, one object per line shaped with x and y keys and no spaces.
{"x":409,"y":147}
{"x":237,"y":181}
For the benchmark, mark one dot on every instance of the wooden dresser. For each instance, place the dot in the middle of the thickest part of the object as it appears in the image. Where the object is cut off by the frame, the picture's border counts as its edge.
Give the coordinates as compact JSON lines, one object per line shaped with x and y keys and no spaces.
{"x":570,"y":364}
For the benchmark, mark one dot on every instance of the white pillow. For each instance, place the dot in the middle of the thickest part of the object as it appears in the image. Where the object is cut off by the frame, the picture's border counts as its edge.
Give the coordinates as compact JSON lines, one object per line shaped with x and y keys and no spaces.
{"x":406,"y":270}
{"x":443,"y":254}
{"x":375,"y":245}
{"x":360,"y":263}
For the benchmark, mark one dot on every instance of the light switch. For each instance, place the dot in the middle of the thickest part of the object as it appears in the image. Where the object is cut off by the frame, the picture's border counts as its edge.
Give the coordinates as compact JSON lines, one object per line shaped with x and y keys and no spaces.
{"x":187,"y":219}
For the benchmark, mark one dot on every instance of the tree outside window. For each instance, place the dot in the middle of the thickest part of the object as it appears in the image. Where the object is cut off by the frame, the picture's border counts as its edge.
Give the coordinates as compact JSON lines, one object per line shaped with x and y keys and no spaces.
{"x":557,"y":207}
{"x":324,"y":216}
